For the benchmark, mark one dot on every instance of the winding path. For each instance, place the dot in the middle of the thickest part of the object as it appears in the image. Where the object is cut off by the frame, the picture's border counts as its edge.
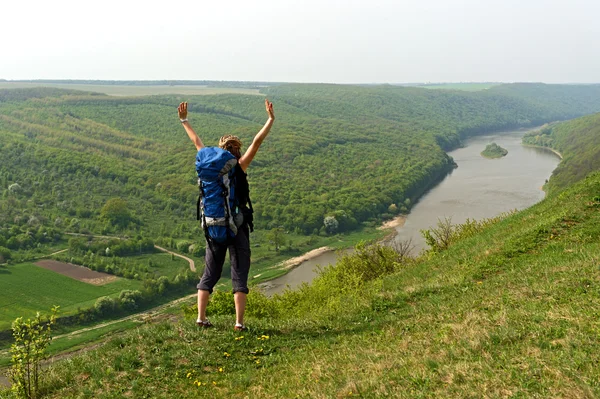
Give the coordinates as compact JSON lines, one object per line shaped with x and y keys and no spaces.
{"x":191,"y":261}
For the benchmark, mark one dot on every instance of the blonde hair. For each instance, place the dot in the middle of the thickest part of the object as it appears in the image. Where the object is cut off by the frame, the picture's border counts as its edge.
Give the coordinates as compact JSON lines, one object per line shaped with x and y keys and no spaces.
{"x":233,"y":144}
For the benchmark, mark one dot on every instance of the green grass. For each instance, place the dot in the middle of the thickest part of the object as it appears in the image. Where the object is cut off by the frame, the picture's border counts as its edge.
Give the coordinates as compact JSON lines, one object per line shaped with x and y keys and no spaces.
{"x":74,"y":342}
{"x":509,"y":312}
{"x":134,"y":90}
{"x":160,"y":263}
{"x":27,"y":288}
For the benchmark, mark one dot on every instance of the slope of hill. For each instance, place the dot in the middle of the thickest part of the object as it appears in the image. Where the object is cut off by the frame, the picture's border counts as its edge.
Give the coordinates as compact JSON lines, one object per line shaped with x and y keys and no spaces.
{"x":510,"y":309}
{"x":578,"y":143}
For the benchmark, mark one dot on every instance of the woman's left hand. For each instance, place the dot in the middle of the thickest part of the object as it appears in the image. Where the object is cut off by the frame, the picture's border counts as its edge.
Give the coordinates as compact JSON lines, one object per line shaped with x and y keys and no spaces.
{"x":182,"y":111}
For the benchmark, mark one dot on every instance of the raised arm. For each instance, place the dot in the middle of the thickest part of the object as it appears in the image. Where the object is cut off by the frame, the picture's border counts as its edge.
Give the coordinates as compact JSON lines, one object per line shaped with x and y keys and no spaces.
{"x":182,"y":111}
{"x":248,"y":156}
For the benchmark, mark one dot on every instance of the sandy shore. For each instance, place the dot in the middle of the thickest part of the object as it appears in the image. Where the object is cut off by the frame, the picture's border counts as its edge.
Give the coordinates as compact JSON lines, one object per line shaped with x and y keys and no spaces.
{"x":293,"y":262}
{"x":396,"y":222}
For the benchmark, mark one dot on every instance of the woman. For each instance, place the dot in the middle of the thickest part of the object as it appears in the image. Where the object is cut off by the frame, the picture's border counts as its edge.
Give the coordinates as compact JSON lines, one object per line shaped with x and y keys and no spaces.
{"x":239,"y":250}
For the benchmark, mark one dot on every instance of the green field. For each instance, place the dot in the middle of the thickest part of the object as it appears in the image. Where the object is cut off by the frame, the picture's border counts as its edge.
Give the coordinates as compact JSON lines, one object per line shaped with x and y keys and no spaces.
{"x":134,"y":90}
{"x":161,"y":263}
{"x":27,"y":288}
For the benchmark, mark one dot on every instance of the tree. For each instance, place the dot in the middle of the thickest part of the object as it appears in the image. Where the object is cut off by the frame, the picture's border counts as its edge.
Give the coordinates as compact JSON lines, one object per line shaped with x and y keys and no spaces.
{"x":130,"y":299}
{"x":4,"y":254}
{"x":276,"y":237}
{"x":105,"y":305}
{"x":115,"y":211}
{"x":331,"y":224}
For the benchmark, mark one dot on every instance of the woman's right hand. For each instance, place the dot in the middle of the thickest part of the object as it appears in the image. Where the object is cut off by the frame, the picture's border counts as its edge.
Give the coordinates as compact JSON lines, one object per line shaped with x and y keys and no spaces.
{"x":269,"y":107}
{"x":182,"y":111}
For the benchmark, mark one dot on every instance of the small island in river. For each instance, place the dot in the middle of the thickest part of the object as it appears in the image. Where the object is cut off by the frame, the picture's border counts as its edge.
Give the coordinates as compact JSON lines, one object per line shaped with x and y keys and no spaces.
{"x":494,"y":151}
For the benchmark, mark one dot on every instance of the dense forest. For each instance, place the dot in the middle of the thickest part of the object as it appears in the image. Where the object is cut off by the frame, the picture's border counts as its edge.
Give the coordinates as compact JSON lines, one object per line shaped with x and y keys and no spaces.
{"x":87,"y":162}
{"x":577,"y":142}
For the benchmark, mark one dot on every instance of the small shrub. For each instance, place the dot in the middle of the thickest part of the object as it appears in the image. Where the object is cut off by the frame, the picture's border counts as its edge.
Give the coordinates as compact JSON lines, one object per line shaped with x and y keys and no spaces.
{"x":445,"y":233}
{"x":339,"y":287}
{"x":221,"y":303}
{"x":260,"y":306}
{"x":31,"y":337}
{"x":130,"y":300}
{"x":105,"y":305}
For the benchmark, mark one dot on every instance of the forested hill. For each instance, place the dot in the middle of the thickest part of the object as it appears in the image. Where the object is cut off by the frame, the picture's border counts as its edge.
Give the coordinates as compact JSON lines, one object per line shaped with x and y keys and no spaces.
{"x":357,"y":154}
{"x":579,"y":144}
{"x":449,"y":114}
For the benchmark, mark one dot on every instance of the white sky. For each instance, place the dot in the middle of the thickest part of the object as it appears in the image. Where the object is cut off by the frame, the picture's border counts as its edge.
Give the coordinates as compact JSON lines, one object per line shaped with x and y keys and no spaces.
{"x":347,"y":41}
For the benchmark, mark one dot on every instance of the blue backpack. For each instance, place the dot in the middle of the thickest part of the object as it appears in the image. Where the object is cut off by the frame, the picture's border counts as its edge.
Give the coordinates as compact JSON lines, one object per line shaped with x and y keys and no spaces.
{"x":215,"y":167}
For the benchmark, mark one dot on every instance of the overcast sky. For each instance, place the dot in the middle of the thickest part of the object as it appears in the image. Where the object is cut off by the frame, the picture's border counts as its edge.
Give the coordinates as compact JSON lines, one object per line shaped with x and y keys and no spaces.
{"x":302,"y":41}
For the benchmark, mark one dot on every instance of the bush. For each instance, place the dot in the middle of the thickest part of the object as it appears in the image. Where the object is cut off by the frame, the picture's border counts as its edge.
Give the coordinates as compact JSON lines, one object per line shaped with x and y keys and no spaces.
{"x":260,"y":306}
{"x":183,"y":246}
{"x":31,"y":338}
{"x":105,"y":305}
{"x":130,"y":300}
{"x":221,"y":303}
{"x":5,"y":254}
{"x":339,"y":287}
{"x":367,"y":263}
{"x":445,"y":233}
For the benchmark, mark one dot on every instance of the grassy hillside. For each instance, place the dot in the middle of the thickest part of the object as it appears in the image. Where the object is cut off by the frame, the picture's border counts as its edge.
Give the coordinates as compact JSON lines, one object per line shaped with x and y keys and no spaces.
{"x":509,"y":310}
{"x":577,"y":141}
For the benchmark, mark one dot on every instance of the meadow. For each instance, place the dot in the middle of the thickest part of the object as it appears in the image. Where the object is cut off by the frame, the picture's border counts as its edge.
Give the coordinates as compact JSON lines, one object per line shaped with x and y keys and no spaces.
{"x":160,"y":263}
{"x":27,"y":289}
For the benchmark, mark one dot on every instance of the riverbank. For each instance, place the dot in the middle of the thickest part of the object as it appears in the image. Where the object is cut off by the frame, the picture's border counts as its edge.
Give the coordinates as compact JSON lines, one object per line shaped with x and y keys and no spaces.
{"x":544,"y":148}
{"x":392,"y":224}
{"x":296,"y":261}
{"x":293,"y":262}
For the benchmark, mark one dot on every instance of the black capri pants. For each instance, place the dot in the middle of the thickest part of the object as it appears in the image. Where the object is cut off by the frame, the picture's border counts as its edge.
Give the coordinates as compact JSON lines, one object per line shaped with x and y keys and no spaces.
{"x":239,"y":254}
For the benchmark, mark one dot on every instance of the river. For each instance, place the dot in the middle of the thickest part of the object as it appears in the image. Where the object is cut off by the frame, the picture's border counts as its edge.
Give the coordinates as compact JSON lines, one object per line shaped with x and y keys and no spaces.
{"x":479,"y":188}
